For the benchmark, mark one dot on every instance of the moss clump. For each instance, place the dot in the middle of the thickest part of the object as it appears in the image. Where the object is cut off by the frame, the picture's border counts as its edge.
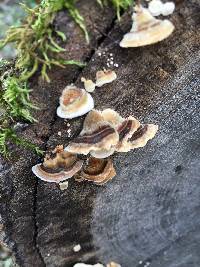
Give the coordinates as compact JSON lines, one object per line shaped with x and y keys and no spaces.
{"x":8,"y":135}
{"x":35,"y":39}
{"x":118,"y":4}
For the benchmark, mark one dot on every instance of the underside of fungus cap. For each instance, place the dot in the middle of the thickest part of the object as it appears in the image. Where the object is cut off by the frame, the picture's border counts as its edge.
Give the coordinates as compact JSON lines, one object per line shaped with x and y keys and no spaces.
{"x":104,"y":153}
{"x":97,"y":134}
{"x":98,"y":171}
{"x":58,"y":168}
{"x":74,"y":102}
{"x":105,"y":76}
{"x":146,"y":30}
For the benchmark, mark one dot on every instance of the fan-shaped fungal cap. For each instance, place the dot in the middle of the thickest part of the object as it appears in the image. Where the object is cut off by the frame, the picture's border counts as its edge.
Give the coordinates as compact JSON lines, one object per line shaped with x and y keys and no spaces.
{"x":74,"y":102}
{"x":124,"y":127}
{"x":143,"y":135}
{"x":146,"y":30}
{"x":97,"y":134}
{"x":59,"y":168}
{"x":103,"y":77}
{"x":89,"y":85}
{"x":98,"y":171}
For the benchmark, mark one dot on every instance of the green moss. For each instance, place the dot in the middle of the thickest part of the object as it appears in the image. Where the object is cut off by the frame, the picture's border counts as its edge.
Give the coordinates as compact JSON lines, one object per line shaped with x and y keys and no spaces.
{"x":8,"y":135}
{"x":15,"y":99}
{"x":36,"y":39}
{"x":118,"y":4}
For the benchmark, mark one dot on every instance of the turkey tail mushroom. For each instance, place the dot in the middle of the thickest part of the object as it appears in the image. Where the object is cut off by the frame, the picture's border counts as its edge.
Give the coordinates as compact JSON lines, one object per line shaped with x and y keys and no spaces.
{"x":98,"y":171}
{"x":97,"y":135}
{"x":146,"y":29}
{"x":74,"y":102}
{"x":58,"y":168}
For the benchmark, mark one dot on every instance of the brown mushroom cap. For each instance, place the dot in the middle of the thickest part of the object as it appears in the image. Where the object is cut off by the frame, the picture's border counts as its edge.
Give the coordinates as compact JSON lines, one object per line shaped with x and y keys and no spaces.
{"x":146,"y":30}
{"x":98,"y":171}
{"x":97,"y":134}
{"x":59,"y":168}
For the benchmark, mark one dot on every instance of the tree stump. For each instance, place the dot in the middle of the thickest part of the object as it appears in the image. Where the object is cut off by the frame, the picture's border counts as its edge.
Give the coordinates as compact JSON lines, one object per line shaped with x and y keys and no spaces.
{"x":150,"y":211}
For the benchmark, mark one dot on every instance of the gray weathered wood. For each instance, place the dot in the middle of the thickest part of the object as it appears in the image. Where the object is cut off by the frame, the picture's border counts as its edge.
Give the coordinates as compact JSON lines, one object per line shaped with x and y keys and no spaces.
{"x":150,"y":211}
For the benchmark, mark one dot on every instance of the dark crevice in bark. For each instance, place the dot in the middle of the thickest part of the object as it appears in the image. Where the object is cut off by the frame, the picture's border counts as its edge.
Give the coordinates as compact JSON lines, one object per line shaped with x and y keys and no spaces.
{"x":43,"y":264}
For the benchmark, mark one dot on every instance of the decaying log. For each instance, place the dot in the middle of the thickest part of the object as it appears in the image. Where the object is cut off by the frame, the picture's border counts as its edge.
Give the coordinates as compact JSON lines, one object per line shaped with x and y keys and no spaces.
{"x":150,"y":211}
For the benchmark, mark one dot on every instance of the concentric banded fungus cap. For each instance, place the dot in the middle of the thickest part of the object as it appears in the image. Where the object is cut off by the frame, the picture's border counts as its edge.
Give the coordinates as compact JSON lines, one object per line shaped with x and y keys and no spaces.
{"x":124,"y":127}
{"x":58,"y":168}
{"x":146,"y":29}
{"x":98,"y":171}
{"x":103,"y":77}
{"x":74,"y":102}
{"x":143,"y":135}
{"x":97,"y":134}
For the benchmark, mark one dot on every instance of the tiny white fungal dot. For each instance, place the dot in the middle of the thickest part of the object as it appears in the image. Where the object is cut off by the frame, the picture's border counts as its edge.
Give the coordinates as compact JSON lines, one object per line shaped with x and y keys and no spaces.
{"x":140,"y":262}
{"x":111,"y":62}
{"x":116,"y":65}
{"x":111,"y":54}
{"x":99,"y":53}
{"x":77,"y":248}
{"x":59,"y":133}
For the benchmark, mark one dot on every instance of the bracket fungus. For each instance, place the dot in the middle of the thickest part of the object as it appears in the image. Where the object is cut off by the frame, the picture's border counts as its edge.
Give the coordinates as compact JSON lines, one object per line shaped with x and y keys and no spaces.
{"x":146,"y":29}
{"x":98,"y":171}
{"x":88,"y":84}
{"x":58,"y":167}
{"x":74,"y":102}
{"x":139,"y":138}
{"x":97,"y":135}
{"x":105,"y":76}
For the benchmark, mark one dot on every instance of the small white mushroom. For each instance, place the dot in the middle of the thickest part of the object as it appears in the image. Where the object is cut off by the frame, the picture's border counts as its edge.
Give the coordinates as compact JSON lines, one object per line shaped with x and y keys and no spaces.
{"x":168,"y":8}
{"x":63,"y":185}
{"x":157,"y":8}
{"x":77,"y":248}
{"x":89,"y":85}
{"x":146,"y":29}
{"x":104,"y":77}
{"x":74,"y":102}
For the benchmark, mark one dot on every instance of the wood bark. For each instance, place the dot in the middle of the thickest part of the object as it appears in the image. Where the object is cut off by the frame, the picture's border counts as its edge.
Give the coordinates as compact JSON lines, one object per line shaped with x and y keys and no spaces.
{"x":150,"y":211}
